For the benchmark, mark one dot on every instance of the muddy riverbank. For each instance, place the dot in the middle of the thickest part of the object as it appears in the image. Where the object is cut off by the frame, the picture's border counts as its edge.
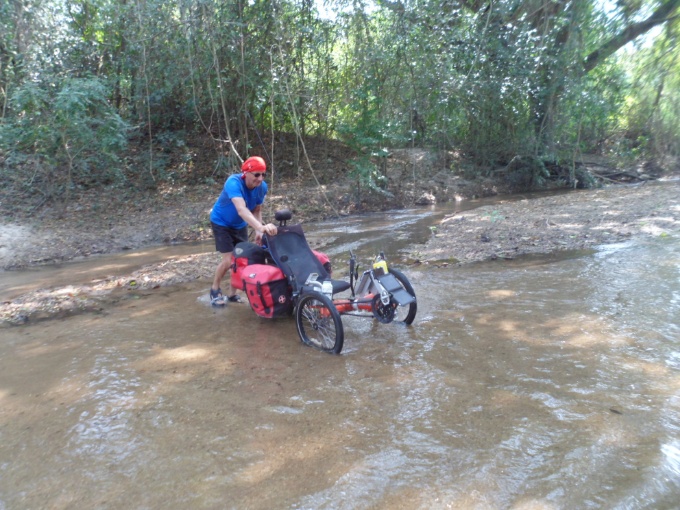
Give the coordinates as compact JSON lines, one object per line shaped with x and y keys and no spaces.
{"x":578,"y":220}
{"x":574,"y":221}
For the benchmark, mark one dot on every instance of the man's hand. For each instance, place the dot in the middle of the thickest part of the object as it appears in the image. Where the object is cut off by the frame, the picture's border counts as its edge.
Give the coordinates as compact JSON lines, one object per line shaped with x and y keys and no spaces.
{"x":269,"y":229}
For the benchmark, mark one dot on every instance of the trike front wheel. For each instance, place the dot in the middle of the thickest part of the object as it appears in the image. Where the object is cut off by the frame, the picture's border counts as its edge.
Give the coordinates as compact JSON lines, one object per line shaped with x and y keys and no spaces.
{"x":318,"y":322}
{"x":407,"y":313}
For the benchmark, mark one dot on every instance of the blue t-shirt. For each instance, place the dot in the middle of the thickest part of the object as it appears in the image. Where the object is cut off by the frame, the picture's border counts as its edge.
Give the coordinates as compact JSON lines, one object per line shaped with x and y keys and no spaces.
{"x":224,"y":211}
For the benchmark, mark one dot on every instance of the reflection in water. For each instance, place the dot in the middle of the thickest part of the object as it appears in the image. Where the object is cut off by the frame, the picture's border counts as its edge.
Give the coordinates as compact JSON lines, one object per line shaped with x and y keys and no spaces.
{"x":535,"y":383}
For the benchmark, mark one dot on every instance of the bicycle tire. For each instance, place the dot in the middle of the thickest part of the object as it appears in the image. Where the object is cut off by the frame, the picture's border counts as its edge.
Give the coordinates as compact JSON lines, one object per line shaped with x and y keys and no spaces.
{"x":409,"y":311}
{"x":318,"y":322}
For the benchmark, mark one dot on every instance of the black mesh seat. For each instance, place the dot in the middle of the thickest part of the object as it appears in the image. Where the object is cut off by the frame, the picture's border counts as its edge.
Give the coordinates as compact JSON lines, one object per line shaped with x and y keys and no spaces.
{"x":292,"y":254}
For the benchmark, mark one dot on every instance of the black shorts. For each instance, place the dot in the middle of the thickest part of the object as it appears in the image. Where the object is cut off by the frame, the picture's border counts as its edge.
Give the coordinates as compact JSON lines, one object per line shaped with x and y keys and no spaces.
{"x":226,"y":238}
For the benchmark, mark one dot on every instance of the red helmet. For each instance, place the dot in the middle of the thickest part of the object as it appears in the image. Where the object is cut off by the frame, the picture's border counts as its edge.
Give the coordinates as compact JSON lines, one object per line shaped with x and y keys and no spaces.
{"x":254,"y":164}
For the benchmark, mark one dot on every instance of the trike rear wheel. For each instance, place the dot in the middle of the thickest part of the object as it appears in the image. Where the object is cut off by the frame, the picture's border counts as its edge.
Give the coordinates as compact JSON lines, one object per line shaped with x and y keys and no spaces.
{"x":318,"y":322}
{"x":407,"y":313}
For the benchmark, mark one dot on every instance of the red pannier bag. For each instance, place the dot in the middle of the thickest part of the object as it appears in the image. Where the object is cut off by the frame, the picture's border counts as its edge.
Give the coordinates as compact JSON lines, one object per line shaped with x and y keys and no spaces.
{"x":268,"y":290}
{"x":244,"y":255}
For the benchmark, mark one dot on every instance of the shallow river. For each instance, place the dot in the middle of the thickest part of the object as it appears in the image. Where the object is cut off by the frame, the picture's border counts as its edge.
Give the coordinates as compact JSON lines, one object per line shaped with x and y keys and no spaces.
{"x":544,"y":382}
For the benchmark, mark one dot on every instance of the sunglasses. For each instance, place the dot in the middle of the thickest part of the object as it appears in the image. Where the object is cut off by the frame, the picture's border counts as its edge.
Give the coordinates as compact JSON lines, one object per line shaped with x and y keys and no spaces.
{"x":257,"y":175}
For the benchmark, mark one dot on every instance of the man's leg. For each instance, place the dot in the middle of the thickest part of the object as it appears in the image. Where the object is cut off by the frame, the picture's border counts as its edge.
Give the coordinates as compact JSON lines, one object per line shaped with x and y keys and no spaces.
{"x":225,"y":245}
{"x":225,"y":240}
{"x":221,"y":270}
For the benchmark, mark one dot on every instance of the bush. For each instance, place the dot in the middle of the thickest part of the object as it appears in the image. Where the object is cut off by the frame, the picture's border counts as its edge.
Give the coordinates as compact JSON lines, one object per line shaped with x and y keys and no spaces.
{"x":526,"y":173}
{"x":59,"y":138}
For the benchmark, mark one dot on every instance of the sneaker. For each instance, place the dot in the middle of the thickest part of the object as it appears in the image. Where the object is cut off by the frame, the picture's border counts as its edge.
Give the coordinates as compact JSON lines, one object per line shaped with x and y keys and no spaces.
{"x":216,"y":298}
{"x":235,"y":299}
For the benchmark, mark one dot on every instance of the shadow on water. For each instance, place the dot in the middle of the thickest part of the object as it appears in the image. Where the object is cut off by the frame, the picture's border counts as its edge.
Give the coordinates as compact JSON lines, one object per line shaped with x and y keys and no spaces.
{"x":543,"y":382}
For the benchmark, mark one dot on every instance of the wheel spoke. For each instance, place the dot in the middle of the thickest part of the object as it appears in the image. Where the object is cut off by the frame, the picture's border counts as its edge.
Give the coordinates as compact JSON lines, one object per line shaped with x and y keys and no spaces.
{"x":321,"y":329}
{"x":319,"y":323}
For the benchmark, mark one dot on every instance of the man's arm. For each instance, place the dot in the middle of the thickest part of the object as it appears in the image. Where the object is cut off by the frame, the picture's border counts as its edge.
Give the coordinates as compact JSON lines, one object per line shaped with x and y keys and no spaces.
{"x":257,"y":212}
{"x":254,"y":219}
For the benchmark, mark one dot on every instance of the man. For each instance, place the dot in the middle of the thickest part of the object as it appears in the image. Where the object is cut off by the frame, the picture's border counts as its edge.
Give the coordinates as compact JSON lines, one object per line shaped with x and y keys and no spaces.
{"x":239,"y":205}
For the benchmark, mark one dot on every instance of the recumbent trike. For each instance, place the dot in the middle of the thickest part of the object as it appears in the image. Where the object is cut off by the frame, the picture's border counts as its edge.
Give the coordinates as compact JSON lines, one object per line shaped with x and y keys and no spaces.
{"x":285,"y":276}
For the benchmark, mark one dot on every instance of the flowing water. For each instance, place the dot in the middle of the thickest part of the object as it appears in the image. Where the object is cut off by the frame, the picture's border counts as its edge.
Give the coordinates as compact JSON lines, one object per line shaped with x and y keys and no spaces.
{"x":544,"y":382}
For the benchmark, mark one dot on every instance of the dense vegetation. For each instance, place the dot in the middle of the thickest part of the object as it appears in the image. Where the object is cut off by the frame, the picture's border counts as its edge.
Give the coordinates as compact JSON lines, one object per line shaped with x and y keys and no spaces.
{"x":102,"y":92}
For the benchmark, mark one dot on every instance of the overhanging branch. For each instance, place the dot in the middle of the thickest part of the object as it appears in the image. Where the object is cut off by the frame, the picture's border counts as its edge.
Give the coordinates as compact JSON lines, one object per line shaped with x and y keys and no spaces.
{"x":630,"y":33}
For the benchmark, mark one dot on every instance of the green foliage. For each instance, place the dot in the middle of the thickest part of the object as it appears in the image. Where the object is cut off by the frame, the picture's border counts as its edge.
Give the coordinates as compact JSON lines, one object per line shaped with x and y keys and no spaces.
{"x":583,"y":179}
{"x":494,"y":81}
{"x":63,"y":137}
{"x":362,"y":168}
{"x":650,"y":125}
{"x":527,"y":173}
